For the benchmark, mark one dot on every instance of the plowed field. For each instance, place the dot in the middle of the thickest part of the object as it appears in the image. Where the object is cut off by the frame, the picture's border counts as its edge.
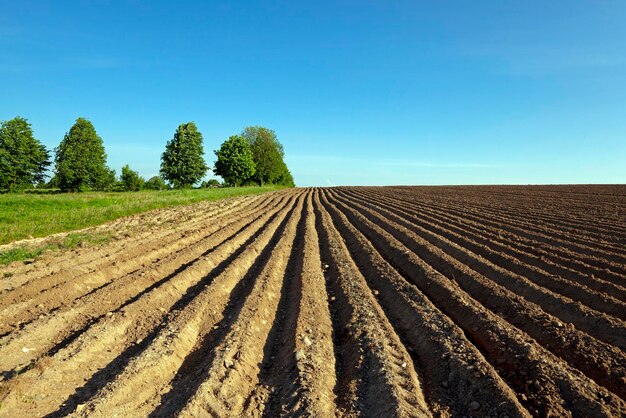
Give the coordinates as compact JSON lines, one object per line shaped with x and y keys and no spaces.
{"x":397,"y":301}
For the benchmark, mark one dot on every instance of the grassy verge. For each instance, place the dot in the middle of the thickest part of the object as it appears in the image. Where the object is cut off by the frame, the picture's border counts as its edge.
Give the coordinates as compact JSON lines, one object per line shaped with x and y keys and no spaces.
{"x":72,"y":240}
{"x":37,"y":215}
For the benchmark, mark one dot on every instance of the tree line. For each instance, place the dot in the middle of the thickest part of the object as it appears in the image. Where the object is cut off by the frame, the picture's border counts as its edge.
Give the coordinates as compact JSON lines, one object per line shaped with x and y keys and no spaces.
{"x":254,"y":157}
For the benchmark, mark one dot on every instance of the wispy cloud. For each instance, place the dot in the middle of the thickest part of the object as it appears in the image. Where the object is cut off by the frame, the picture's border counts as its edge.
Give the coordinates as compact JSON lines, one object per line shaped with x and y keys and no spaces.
{"x":537,"y":60}
{"x":434,"y":164}
{"x":98,"y":62}
{"x":69,"y":64}
{"x":337,"y":159}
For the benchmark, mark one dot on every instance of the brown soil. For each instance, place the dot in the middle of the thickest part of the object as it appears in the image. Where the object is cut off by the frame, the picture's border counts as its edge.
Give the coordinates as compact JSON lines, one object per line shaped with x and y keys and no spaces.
{"x":397,"y":301}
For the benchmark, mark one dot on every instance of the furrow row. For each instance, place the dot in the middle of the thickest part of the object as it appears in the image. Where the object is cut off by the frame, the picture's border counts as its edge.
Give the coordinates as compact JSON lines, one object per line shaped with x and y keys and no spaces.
{"x":347,"y":302}
{"x":476,"y":238}
{"x":27,"y":304}
{"x":586,"y":213}
{"x":434,"y":233}
{"x":60,"y":327}
{"x":463,"y":376}
{"x":598,"y":360}
{"x":104,"y":349}
{"x":455,"y":261}
{"x":503,"y":204}
{"x":519,"y":235}
{"x":192,"y":347}
{"x":610,"y":257}
{"x":544,"y":383}
{"x":48,"y":273}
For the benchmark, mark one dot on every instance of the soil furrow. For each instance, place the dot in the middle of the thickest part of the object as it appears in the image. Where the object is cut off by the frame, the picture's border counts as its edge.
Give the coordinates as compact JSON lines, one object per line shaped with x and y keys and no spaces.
{"x":454,"y":261}
{"x":136,"y":262}
{"x":100,"y":347}
{"x":545,"y":385}
{"x":57,"y":329}
{"x":432,"y":233}
{"x":287,"y":384}
{"x":611,"y":261}
{"x":377,"y":376}
{"x":581,"y":233}
{"x":51,"y":269}
{"x":185,"y":343}
{"x":602,"y":362}
{"x":453,"y":227}
{"x":599,"y":361}
{"x":153,"y":227}
{"x":230,"y":364}
{"x":464,"y":376}
{"x":353,"y":301}
{"x":513,"y":204}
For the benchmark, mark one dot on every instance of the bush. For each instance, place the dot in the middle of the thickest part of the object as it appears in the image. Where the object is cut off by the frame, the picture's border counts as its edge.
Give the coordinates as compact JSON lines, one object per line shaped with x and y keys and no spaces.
{"x":210,"y":184}
{"x":131,"y":180}
{"x":155,"y":183}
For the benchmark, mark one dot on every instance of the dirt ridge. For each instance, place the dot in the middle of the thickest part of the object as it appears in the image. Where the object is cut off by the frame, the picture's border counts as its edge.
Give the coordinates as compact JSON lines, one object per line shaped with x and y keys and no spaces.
{"x":350,"y":302}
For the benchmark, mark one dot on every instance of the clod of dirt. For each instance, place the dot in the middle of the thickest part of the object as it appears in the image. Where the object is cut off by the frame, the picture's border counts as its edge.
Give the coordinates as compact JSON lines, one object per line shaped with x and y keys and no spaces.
{"x":307,"y":341}
{"x":228,"y":363}
{"x":300,"y":355}
{"x":473,"y":406}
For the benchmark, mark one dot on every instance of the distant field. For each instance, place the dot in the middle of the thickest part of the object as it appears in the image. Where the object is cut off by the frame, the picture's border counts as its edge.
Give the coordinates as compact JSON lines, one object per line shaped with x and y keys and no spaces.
{"x":37,"y":215}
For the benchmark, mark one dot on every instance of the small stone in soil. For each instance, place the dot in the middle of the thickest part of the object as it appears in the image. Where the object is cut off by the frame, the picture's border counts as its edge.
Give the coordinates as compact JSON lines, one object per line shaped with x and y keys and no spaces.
{"x":473,"y":406}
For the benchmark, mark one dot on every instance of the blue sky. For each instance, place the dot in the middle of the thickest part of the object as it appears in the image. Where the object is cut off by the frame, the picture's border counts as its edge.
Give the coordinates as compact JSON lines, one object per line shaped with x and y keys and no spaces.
{"x":359,"y":92}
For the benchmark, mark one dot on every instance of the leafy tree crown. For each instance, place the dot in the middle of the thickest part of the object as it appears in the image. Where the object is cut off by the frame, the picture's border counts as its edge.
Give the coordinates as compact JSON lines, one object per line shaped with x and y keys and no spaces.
{"x":267,"y":153}
{"x":81,"y":160}
{"x":182,"y":163}
{"x":131,"y":180}
{"x":234,"y":161}
{"x":23,"y":159}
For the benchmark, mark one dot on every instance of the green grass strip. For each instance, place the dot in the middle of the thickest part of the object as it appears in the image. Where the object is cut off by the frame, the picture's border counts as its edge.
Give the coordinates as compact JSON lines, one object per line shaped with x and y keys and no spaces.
{"x":38,"y":215}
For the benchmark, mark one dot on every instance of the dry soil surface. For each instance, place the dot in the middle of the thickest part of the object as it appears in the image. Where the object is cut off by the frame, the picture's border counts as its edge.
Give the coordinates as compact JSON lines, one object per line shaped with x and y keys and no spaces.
{"x":396,"y":301}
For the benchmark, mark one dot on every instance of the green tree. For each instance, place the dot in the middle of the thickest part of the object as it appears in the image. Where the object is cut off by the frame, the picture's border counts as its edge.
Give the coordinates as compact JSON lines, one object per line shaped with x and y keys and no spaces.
{"x":234,"y":161}
{"x":81,"y":160}
{"x":131,"y":180}
{"x":108,"y":181}
{"x":285,"y":178}
{"x":53,"y":183}
{"x":23,"y":159}
{"x":155,"y":183}
{"x":182,"y":163}
{"x":267,"y":153}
